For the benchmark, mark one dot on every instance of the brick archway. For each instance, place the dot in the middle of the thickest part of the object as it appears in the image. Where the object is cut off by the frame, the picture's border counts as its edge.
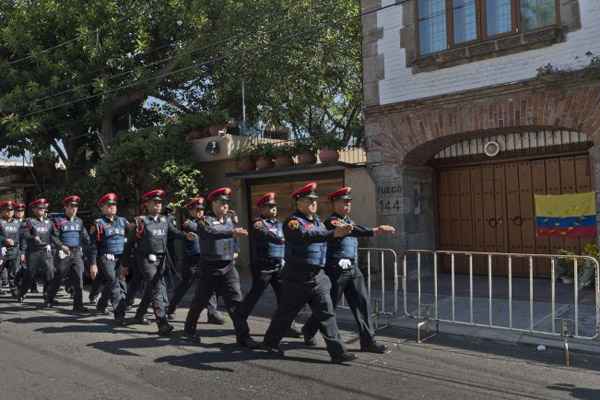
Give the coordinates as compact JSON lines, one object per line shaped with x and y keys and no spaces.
{"x":413,"y":134}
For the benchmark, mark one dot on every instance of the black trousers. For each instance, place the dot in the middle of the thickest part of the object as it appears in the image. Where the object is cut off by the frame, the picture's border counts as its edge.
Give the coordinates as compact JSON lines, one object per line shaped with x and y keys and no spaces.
{"x":114,"y":288}
{"x":11,"y":266}
{"x":155,"y":293}
{"x":299,"y":289}
{"x":223,"y":280}
{"x":40,"y":263}
{"x":349,"y":283}
{"x":189,"y":274}
{"x":263,"y":274}
{"x":71,"y":266}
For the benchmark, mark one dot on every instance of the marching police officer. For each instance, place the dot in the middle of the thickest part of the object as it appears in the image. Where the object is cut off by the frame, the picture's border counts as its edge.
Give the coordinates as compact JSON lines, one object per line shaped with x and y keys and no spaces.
{"x":304,"y":280}
{"x":191,"y":264}
{"x":151,"y":234}
{"x":73,"y":239}
{"x":20,"y":216}
{"x":10,"y":240}
{"x":217,"y":234}
{"x":39,"y":243}
{"x":346,"y":278}
{"x":268,"y":246}
{"x":106,"y":255}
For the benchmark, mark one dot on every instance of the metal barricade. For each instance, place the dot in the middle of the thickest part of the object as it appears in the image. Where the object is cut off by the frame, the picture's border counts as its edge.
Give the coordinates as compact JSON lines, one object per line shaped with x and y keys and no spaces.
{"x":493,"y":315}
{"x":382,"y":280}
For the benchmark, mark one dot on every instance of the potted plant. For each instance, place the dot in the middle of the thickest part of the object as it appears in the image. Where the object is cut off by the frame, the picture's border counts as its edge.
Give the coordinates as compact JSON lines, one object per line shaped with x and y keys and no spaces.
{"x":306,"y":151}
{"x":244,"y":156}
{"x":264,"y":153}
{"x":587,"y":271}
{"x":283,"y":155}
{"x":329,"y":146}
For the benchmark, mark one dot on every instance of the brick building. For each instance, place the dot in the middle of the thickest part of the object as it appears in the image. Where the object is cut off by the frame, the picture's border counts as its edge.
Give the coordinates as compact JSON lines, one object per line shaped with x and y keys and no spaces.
{"x":472,"y":106}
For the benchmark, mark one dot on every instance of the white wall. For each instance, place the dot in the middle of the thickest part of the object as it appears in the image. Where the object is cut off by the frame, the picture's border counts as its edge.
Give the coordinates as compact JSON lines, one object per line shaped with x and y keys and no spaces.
{"x":400,"y":84}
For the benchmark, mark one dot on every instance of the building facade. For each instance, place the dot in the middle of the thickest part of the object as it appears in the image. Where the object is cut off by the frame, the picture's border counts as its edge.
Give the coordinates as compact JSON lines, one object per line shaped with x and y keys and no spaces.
{"x":472,"y":106}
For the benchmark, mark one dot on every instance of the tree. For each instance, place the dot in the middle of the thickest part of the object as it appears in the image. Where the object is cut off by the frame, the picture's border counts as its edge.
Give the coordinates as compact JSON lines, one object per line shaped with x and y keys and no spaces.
{"x":76,"y":73}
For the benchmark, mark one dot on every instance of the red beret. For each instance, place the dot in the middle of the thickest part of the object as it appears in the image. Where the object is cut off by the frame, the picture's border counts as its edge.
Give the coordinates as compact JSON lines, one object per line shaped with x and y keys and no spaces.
{"x":20,"y":206}
{"x":71,"y":200}
{"x":308,"y":190}
{"x":343,"y":194}
{"x":268,"y":199}
{"x":39,"y":203}
{"x":108,"y":198}
{"x":156,"y":194}
{"x":195,"y":202}
{"x":7,"y":204}
{"x":219,"y":194}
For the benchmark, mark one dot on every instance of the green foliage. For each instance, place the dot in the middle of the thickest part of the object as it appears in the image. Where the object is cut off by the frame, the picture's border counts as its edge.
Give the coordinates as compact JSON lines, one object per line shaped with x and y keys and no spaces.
{"x":306,"y":145}
{"x":284,"y":150}
{"x":299,"y":61}
{"x":204,"y":119}
{"x":142,"y":160}
{"x":244,"y":151}
{"x":264,"y":150}
{"x":329,"y":141}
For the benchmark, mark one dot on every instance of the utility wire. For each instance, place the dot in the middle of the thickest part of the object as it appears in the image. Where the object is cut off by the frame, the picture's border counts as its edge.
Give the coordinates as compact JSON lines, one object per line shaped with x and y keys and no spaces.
{"x":286,"y":40}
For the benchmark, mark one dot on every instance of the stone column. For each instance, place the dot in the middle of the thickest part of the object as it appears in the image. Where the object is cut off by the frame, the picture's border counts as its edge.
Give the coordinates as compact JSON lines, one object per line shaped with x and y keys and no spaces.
{"x":594,"y":153}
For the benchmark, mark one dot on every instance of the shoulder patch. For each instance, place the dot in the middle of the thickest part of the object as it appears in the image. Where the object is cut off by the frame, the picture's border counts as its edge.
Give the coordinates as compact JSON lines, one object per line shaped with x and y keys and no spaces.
{"x":258,"y":224}
{"x":335,"y":222}
{"x":293,"y":224}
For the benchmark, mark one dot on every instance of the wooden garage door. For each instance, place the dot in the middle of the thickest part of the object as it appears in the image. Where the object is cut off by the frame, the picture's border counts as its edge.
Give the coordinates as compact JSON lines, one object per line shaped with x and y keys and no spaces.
{"x":490,"y":207}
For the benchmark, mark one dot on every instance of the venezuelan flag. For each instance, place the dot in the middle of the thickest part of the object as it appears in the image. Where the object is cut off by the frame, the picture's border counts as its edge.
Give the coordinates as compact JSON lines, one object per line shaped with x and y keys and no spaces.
{"x":566,"y":214}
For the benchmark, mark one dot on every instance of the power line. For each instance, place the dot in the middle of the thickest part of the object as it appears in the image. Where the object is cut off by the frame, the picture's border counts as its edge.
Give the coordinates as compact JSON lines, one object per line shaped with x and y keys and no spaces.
{"x":58,"y":46}
{"x":158,"y":62}
{"x":159,"y":76}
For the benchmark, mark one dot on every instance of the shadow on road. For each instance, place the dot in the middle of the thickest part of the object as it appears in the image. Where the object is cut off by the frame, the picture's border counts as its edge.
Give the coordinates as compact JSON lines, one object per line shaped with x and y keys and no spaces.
{"x":577,"y":392}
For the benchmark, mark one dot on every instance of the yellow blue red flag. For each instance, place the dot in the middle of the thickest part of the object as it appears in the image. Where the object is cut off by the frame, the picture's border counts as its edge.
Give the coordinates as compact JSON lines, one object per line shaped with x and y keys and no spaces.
{"x":566,"y":214}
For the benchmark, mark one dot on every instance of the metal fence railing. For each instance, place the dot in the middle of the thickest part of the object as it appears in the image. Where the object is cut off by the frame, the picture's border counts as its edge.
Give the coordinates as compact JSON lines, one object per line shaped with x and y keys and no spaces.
{"x":487,"y":292}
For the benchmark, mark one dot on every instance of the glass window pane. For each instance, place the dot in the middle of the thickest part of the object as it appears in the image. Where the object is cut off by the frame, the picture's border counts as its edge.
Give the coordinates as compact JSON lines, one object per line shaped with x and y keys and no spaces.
{"x":465,"y":21}
{"x":432,"y":26}
{"x":537,"y":13}
{"x":498,"y":14}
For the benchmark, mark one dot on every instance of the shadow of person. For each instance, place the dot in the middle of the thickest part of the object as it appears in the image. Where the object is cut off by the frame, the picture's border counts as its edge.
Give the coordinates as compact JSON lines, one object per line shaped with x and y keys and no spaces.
{"x":102,"y":326}
{"x":577,"y":392}
{"x":125,"y":347}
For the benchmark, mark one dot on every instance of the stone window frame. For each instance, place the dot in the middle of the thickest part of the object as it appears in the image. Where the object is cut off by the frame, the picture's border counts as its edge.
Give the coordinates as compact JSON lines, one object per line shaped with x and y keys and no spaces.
{"x":568,"y":19}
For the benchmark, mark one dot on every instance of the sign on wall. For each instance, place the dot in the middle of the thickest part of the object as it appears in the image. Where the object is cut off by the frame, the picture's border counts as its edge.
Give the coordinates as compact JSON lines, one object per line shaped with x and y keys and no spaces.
{"x":389,"y":197}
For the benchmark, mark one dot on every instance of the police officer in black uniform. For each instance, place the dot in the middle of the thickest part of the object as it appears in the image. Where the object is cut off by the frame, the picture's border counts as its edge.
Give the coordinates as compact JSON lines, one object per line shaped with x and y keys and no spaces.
{"x":10,"y":240}
{"x":217,"y":234}
{"x":192,"y":264}
{"x":106,"y":255}
{"x":73,"y":239}
{"x":20,"y":216}
{"x":268,"y":246}
{"x":304,"y":280}
{"x":346,"y":278}
{"x":151,"y":234}
{"x":39,"y":244}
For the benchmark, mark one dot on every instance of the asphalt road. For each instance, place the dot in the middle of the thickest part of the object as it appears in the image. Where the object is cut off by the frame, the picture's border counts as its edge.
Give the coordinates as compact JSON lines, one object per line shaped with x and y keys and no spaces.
{"x":53,"y":354}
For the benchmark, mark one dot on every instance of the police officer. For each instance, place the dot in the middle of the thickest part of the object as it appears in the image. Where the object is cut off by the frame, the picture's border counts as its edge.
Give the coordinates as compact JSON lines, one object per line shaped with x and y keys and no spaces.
{"x":20,"y":216}
{"x":73,"y":239}
{"x":39,"y":244}
{"x":10,"y":240}
{"x":304,"y":280}
{"x":191,"y":264}
{"x":106,"y":254}
{"x":346,"y":278}
{"x":268,"y":246}
{"x":217,"y":234}
{"x":151,"y":234}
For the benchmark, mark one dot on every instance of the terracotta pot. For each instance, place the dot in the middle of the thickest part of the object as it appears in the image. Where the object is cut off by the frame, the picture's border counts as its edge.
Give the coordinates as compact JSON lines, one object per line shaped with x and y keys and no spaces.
{"x":307,"y":158}
{"x":246,"y":164}
{"x":263,"y":162}
{"x":284,"y":161}
{"x":329,"y":155}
